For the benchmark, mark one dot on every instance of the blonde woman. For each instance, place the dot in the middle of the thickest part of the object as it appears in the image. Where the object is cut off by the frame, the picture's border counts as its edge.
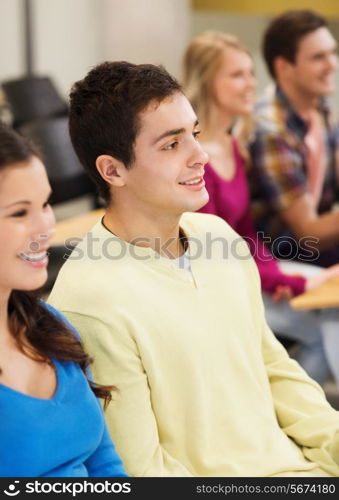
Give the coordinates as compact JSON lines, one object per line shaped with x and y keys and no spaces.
{"x":220,"y":83}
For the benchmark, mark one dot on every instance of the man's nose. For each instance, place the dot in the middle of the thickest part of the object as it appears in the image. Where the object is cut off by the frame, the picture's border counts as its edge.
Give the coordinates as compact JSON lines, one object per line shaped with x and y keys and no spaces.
{"x":200,"y":157}
{"x":332,"y":62}
{"x":251,"y":82}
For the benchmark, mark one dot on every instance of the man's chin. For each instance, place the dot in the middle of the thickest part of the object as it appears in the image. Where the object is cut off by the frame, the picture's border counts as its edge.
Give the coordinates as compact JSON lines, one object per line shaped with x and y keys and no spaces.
{"x":326,"y":93}
{"x":327,"y":90}
{"x":198,"y":204}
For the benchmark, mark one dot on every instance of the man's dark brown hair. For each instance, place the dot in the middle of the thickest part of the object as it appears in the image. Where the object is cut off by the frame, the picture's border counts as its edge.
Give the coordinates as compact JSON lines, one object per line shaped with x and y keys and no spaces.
{"x":284,"y":33}
{"x":105,"y":108}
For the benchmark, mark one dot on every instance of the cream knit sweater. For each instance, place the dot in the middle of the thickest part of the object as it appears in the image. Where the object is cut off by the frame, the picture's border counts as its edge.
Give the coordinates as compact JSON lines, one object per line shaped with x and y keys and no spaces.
{"x":205,"y":389}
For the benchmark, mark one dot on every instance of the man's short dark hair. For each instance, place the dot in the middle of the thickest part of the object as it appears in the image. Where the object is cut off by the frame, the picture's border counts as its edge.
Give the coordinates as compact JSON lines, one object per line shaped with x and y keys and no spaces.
{"x":105,"y":108}
{"x":284,"y":33}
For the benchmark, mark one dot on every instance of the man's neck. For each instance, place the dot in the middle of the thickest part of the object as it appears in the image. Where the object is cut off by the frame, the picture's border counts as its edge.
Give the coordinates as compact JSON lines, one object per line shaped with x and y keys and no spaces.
{"x":162,"y":234}
{"x":303,"y":103}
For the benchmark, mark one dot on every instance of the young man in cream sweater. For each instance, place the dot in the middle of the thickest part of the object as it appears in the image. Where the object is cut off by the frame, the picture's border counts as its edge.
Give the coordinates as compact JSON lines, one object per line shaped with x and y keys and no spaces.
{"x":168,"y":302}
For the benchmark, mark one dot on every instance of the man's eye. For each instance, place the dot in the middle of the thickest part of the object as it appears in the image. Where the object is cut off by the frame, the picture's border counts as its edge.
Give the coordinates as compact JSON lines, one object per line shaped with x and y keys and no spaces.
{"x":173,"y":145}
{"x":196,"y":134}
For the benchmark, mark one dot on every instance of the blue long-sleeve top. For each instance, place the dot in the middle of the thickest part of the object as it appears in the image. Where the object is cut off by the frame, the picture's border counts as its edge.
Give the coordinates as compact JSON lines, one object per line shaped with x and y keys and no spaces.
{"x":64,"y":436}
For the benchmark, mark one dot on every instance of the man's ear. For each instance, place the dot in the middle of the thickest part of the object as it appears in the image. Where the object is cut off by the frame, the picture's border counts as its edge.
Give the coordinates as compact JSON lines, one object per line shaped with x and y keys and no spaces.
{"x":282,"y":68}
{"x":111,"y":170}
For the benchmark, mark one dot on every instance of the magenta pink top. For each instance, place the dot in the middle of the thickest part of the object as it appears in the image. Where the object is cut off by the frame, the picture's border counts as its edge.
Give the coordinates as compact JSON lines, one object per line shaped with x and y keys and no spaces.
{"x":230,"y":201}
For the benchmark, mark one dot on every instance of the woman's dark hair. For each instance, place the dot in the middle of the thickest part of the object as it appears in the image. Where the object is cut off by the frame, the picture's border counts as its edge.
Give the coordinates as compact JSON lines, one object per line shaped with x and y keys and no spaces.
{"x":37,"y":331}
{"x":284,"y":33}
{"x":105,"y":108}
{"x":14,"y":148}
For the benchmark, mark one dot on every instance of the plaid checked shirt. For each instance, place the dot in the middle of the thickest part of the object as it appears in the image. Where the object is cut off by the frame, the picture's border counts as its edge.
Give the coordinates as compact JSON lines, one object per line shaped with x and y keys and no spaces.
{"x":278,"y":175}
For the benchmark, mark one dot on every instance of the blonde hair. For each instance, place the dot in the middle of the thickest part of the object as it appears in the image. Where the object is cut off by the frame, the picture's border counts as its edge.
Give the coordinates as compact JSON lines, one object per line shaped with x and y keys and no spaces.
{"x":202,"y":59}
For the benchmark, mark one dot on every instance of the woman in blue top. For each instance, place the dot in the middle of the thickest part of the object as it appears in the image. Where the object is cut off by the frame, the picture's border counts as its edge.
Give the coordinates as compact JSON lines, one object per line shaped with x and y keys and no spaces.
{"x":51,"y":423}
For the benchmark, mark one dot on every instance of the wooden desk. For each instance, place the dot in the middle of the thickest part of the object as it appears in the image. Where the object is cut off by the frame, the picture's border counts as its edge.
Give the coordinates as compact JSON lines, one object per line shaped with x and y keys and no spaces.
{"x":326,"y":295}
{"x":76,"y":227}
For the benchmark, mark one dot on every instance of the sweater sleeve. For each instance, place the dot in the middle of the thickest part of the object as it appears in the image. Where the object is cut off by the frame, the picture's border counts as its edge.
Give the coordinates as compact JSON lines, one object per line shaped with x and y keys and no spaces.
{"x":105,"y":462}
{"x":130,"y":418}
{"x":301,"y":408}
{"x":300,"y":404}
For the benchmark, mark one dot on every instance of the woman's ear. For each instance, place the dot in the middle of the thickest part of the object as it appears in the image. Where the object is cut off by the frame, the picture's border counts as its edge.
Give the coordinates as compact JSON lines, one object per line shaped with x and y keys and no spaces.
{"x":111,"y":170}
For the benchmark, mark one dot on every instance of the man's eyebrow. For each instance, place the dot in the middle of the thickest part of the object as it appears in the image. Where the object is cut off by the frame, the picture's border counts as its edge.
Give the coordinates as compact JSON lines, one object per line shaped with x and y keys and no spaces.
{"x":333,"y":49}
{"x":176,"y":131}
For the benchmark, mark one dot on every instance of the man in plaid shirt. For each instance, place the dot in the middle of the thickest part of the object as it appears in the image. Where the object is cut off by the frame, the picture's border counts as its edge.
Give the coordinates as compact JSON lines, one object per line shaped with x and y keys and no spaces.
{"x":295,"y":144}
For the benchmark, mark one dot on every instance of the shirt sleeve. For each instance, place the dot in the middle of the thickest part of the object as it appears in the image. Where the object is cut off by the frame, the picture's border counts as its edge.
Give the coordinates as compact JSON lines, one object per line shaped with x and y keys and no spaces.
{"x":130,"y":418}
{"x":277,"y":171}
{"x":105,"y":462}
{"x":300,"y":404}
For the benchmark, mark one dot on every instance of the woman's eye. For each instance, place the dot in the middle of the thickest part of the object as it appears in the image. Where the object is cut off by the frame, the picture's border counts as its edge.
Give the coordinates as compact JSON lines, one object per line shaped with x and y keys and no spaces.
{"x":20,"y":213}
{"x":46,"y":205}
{"x":196,"y":134}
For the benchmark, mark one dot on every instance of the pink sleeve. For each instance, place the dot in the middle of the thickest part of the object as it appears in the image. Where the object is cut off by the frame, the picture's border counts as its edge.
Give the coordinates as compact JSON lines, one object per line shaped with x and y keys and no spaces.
{"x":270,"y":274}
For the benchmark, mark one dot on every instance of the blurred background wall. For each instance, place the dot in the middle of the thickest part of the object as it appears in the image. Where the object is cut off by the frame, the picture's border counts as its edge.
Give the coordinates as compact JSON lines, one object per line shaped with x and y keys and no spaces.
{"x":70,"y":36}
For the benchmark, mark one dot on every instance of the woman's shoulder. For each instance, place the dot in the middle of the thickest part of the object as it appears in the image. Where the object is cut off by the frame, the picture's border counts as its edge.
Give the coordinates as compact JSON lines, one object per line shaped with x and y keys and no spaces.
{"x":52,"y":310}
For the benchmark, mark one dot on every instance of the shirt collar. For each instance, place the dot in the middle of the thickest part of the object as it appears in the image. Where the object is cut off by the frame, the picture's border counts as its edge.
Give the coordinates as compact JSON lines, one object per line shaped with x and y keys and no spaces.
{"x":292,"y":119}
{"x":138,"y":252}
